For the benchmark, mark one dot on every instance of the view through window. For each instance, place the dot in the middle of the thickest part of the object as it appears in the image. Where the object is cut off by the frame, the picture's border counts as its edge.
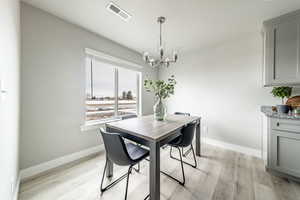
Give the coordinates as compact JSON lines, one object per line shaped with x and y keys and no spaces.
{"x":127,"y":90}
{"x":105,"y":82}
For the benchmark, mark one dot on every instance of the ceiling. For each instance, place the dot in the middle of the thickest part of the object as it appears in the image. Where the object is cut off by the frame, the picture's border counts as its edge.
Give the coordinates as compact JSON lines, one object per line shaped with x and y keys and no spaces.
{"x":190,"y":25}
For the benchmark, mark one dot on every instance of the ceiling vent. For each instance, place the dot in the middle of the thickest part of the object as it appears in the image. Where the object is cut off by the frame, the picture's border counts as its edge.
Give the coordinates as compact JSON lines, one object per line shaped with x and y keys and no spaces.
{"x":112,"y":7}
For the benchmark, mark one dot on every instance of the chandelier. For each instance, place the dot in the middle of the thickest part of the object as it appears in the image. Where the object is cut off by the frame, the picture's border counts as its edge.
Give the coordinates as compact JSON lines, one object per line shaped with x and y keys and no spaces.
{"x":161,"y":60}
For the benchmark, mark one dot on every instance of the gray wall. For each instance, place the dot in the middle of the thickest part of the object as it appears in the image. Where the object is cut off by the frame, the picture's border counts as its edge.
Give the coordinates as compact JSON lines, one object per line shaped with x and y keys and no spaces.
{"x":223,"y":84}
{"x":9,"y":104}
{"x":53,"y":85}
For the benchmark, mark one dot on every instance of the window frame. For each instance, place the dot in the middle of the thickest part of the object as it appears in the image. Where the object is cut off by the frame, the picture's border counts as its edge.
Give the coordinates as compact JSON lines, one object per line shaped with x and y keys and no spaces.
{"x":116,"y":63}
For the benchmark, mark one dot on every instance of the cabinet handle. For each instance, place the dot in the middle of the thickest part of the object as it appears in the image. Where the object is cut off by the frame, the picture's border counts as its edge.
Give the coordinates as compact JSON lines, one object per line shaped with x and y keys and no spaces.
{"x":277,"y":124}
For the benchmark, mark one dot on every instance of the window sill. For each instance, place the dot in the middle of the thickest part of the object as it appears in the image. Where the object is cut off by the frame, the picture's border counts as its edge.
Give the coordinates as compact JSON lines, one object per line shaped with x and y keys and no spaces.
{"x":94,"y":125}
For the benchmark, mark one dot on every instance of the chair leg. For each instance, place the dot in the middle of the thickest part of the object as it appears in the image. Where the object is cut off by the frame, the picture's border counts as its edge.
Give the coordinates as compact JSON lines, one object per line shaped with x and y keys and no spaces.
{"x":101,"y":187}
{"x":139,"y":167}
{"x":126,"y":190}
{"x":195,"y":161}
{"x":113,"y":183}
{"x":118,"y":180}
{"x":185,"y":154}
{"x":182,"y":169}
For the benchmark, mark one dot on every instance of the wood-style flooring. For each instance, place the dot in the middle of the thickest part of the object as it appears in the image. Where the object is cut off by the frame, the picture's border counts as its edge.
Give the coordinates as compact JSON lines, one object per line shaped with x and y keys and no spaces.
{"x":221,"y":175}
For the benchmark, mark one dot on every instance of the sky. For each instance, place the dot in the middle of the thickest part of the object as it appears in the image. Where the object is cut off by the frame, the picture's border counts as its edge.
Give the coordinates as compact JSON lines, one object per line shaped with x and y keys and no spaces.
{"x":103,"y":78}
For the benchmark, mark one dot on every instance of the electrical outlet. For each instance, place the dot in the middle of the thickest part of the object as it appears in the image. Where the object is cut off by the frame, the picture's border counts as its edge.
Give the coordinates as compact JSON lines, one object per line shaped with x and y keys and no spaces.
{"x":12,"y":183}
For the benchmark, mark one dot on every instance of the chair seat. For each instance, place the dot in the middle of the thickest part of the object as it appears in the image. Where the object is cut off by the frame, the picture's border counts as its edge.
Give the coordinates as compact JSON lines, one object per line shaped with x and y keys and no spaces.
{"x":136,"y":152}
{"x":176,"y":142}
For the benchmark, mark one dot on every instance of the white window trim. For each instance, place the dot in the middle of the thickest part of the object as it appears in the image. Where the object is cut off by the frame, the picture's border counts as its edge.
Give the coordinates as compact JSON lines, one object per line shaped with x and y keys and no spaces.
{"x":95,"y":124}
{"x":106,"y":58}
{"x":112,"y":59}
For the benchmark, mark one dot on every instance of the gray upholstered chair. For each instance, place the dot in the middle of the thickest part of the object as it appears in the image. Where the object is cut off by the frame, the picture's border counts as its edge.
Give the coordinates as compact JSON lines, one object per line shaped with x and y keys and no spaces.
{"x":184,"y":140}
{"x":130,"y":116}
{"x":121,"y":153}
{"x":184,"y":154}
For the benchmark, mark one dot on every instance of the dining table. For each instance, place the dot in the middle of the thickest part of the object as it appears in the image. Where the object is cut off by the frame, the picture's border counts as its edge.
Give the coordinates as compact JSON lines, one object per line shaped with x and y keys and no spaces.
{"x":154,"y":134}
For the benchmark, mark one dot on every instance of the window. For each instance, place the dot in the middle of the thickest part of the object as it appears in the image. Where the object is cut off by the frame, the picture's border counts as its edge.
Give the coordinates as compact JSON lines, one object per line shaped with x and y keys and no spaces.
{"x":127,"y":91}
{"x":111,"y":91}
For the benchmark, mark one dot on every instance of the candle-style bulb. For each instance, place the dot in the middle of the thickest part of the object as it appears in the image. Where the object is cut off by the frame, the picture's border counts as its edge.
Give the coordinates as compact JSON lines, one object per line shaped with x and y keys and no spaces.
{"x":175,"y":56}
{"x":146,"y":56}
{"x":161,"y":51}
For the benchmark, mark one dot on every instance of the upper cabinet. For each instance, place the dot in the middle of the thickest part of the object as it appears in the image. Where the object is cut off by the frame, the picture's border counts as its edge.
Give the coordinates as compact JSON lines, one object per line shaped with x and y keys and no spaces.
{"x":282,"y":50}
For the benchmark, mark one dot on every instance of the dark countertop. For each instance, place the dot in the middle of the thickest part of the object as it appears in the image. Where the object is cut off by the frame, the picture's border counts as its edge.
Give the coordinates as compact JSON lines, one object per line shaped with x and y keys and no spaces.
{"x":267,"y":110}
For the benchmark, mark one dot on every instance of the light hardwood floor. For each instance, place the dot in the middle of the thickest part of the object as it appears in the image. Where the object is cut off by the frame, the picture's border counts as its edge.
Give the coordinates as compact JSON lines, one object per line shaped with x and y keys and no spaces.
{"x":220,"y":175}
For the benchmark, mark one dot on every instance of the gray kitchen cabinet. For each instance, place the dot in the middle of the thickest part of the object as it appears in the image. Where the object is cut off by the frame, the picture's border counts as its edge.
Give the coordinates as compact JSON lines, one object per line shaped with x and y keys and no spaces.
{"x":282,"y":50}
{"x":285,"y":152}
{"x":284,"y":146}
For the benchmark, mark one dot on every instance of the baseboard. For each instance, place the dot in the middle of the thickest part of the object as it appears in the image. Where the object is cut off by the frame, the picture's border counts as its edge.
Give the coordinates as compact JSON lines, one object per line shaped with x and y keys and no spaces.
{"x":17,"y":187}
{"x":43,"y":167}
{"x":233,"y":147}
{"x":38,"y":169}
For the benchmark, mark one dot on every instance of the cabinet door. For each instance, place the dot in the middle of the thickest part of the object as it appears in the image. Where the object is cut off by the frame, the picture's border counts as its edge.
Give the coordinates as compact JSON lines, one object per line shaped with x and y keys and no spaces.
{"x":285,"y":151}
{"x":282,"y":53}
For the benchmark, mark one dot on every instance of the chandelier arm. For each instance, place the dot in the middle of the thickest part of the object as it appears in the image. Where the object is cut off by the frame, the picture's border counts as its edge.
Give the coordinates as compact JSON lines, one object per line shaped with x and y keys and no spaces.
{"x":169,"y":61}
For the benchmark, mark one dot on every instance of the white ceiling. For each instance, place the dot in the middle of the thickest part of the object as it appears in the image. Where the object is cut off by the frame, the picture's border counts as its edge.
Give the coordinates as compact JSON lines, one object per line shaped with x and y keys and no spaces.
{"x":190,"y":25}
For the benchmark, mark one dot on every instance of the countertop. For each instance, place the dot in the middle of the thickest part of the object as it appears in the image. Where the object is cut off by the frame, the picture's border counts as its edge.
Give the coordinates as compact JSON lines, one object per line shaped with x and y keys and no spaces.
{"x":267,"y":110}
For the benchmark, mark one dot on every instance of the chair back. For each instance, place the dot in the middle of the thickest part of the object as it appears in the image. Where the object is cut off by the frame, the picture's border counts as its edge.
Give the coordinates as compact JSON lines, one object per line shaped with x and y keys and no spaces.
{"x":115,"y":148}
{"x":182,"y":113}
{"x":188,"y":133}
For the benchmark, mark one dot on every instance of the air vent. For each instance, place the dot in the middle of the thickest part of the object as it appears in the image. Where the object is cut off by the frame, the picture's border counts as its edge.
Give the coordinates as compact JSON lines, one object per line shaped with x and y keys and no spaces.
{"x":112,"y":7}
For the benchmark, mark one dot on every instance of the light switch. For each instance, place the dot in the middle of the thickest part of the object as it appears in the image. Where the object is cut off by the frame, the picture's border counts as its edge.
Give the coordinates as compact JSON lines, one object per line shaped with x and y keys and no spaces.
{"x":3,"y":91}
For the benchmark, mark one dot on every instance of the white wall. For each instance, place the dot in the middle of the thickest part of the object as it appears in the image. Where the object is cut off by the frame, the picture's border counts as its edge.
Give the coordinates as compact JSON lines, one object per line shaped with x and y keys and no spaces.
{"x":9,"y":104}
{"x":223,"y":85}
{"x":53,"y":85}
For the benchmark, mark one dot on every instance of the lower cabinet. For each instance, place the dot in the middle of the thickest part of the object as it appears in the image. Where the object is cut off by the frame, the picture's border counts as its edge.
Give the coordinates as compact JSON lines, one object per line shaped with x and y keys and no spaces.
{"x":283,"y":146}
{"x":285,"y":152}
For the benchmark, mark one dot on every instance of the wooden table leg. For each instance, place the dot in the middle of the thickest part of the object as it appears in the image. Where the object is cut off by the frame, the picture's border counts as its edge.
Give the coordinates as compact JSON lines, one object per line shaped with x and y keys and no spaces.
{"x":198,"y":138}
{"x":154,"y":171}
{"x":109,"y":169}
